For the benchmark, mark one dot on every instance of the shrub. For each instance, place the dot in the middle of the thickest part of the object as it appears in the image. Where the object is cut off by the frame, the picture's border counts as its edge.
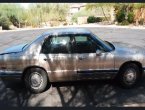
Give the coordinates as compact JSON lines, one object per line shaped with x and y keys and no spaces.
{"x":130,"y":17}
{"x":120,"y":16}
{"x":125,"y":22}
{"x":104,"y":18}
{"x":141,"y":21}
{"x":14,"y":20}
{"x":98,"y":19}
{"x":5,"y":23}
{"x":91,"y":19}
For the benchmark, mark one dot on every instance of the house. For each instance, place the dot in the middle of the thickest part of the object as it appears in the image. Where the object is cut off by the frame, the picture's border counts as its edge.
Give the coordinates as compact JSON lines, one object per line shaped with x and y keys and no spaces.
{"x":76,"y":7}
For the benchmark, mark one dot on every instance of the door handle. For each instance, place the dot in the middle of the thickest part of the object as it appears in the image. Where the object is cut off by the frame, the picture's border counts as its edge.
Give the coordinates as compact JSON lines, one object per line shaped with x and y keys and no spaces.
{"x":45,"y":59}
{"x":81,"y":58}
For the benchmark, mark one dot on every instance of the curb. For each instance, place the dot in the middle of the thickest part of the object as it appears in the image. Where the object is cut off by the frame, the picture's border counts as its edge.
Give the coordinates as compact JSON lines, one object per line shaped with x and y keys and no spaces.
{"x":135,"y":105}
{"x":85,"y":25}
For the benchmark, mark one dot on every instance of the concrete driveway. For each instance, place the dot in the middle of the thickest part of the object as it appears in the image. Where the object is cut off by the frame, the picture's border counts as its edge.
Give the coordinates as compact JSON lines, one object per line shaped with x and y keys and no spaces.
{"x":87,"y":93}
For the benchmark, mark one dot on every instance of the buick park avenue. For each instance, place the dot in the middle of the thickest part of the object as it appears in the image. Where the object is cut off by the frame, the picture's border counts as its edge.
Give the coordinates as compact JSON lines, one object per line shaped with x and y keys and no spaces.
{"x":72,"y":54}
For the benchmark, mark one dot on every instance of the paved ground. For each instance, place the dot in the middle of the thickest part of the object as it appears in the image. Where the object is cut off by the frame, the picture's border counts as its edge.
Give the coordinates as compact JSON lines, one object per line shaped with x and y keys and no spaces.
{"x":90,"y":93}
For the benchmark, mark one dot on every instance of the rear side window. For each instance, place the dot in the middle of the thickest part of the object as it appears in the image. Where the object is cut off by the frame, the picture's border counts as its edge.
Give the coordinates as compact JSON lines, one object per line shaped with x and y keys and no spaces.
{"x":80,"y":38}
{"x":56,"y":45}
{"x":60,"y":40}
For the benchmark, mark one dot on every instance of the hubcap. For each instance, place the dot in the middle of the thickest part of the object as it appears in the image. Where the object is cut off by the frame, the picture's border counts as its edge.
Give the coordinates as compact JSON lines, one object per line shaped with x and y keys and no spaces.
{"x":130,"y":76}
{"x":36,"y":80}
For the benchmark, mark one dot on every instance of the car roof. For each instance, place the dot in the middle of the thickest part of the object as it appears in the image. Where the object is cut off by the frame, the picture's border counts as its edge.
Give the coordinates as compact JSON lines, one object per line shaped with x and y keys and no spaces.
{"x":67,"y":31}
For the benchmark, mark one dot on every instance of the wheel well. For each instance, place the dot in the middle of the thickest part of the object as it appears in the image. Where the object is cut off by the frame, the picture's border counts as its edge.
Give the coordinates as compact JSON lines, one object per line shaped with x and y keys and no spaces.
{"x":134,"y":62}
{"x":26,"y":69}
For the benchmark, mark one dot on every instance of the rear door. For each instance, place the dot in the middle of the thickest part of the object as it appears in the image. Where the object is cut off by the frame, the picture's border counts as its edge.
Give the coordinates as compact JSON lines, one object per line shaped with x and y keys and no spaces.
{"x":59,"y":61}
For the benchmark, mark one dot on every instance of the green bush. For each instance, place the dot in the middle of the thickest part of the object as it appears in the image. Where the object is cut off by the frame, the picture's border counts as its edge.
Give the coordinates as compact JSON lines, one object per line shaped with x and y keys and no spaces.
{"x":130,"y":17}
{"x":120,"y":16}
{"x":5,"y":23}
{"x":91,"y":19}
{"x":14,"y":20}
{"x":125,"y":22}
{"x":98,"y":19}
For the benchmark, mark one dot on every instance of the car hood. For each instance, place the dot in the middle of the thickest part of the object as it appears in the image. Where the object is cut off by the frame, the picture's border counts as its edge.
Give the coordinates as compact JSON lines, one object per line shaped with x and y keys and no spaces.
{"x":14,"y":49}
{"x":129,"y":48}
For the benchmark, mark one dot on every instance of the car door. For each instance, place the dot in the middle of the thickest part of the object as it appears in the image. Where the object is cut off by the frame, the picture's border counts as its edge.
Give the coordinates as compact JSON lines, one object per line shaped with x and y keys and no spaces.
{"x":90,"y":64}
{"x":59,"y":61}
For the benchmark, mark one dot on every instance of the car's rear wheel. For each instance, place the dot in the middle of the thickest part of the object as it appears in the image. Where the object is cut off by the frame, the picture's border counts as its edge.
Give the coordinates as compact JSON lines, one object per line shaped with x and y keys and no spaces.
{"x":129,"y":75}
{"x":36,"y":80}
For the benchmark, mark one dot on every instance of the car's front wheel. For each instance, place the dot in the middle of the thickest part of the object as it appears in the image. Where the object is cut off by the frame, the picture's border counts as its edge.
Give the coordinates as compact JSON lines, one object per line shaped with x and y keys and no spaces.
{"x":129,"y":75}
{"x":36,"y":80}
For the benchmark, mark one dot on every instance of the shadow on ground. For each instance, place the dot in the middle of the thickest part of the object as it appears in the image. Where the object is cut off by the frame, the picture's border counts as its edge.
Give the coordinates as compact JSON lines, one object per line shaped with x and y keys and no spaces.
{"x":100,"y":93}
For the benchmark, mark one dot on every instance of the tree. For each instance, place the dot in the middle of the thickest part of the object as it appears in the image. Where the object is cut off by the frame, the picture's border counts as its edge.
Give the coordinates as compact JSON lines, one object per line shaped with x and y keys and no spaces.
{"x":124,"y":12}
{"x":35,"y":15}
{"x":38,"y":13}
{"x":82,"y":12}
{"x":4,"y":22}
{"x":139,"y":12}
{"x":13,"y":12}
{"x":94,"y":6}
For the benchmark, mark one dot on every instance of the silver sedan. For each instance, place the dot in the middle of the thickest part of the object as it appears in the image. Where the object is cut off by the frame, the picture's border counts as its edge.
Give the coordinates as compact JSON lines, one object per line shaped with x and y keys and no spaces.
{"x":72,"y":54}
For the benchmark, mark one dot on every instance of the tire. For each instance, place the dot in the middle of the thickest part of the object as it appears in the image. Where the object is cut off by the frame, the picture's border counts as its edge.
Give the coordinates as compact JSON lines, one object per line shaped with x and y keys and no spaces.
{"x":129,"y":75}
{"x":36,"y":80}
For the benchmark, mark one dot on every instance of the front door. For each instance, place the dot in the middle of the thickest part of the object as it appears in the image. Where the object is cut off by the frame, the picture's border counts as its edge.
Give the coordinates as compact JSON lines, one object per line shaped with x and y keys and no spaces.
{"x":91,"y":65}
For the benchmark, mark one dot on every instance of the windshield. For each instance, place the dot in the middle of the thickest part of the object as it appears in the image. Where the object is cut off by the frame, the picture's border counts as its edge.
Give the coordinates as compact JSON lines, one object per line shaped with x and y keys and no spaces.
{"x":30,"y":42}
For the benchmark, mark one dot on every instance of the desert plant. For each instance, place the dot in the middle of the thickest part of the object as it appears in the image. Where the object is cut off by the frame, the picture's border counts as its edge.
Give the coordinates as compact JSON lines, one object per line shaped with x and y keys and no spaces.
{"x":141,"y":21}
{"x":130,"y":17}
{"x":14,"y":20}
{"x":91,"y":19}
{"x":120,"y":16}
{"x":125,"y":22}
{"x":98,"y":19}
{"x":5,"y":23}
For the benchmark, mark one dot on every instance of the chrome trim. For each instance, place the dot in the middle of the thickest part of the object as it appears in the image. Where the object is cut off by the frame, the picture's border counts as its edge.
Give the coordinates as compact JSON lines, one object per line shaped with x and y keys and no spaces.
{"x":10,"y":72}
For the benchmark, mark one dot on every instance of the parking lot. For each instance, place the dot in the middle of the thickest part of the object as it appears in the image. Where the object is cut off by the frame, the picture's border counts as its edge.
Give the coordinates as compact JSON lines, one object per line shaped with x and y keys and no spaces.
{"x":87,"y":93}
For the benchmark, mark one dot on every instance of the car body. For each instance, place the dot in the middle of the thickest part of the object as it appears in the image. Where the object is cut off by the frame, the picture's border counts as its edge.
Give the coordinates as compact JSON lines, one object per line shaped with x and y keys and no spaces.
{"x":71,"y":54}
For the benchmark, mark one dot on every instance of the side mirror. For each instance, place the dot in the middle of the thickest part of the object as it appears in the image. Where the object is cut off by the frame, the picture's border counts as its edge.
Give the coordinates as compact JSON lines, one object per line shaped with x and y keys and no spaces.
{"x":98,"y":52}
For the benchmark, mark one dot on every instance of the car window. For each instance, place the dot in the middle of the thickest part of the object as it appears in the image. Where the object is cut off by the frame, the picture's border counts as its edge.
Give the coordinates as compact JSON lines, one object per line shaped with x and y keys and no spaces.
{"x":83,"y":44}
{"x":60,"y":40}
{"x":80,"y":38}
{"x":56,"y":44}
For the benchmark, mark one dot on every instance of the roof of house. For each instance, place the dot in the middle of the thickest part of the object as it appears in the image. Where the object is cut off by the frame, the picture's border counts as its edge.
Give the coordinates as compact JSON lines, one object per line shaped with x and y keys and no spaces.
{"x":77,"y":5}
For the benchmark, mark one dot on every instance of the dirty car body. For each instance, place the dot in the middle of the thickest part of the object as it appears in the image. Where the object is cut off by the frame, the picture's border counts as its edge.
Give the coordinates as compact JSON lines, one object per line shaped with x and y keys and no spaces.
{"x":70,"y":54}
